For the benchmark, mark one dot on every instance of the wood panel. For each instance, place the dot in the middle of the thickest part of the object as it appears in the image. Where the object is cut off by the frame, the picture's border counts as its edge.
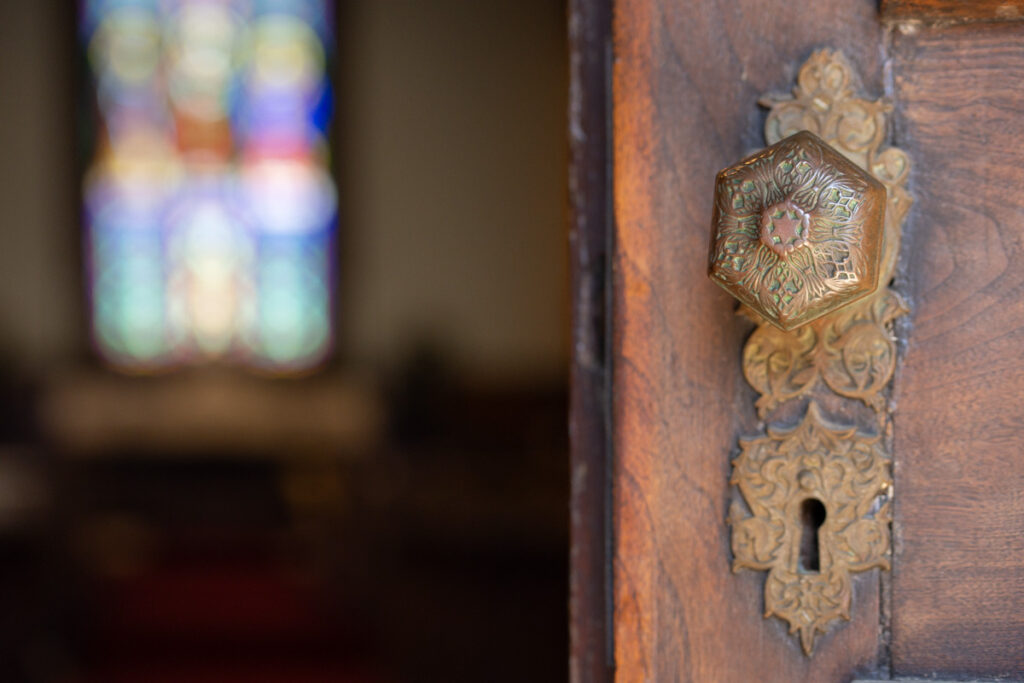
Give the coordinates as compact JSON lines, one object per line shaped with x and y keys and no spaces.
{"x":687,"y":78}
{"x":958,"y":584}
{"x":953,"y":11}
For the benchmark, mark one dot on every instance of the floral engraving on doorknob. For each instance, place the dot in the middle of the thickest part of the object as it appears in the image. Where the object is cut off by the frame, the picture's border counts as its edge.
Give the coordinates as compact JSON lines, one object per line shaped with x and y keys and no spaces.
{"x":844,"y":356}
{"x":797,"y":231}
{"x":848,"y":473}
{"x":785,"y":227}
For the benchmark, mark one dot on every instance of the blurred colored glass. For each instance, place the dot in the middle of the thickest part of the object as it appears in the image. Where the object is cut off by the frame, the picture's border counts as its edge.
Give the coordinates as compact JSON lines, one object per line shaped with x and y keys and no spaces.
{"x":210,"y":209}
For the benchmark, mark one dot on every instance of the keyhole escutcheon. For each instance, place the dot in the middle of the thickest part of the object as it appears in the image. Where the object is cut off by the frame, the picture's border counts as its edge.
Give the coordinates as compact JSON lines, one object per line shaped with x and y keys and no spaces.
{"x":812,"y":516}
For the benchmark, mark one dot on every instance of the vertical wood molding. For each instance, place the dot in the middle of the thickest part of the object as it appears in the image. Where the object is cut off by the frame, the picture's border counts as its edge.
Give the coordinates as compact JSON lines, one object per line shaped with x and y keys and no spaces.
{"x":589,"y":235}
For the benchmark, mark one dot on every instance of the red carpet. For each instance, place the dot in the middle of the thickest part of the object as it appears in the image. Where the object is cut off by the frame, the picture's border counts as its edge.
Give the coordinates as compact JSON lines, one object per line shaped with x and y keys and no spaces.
{"x":219,"y":623}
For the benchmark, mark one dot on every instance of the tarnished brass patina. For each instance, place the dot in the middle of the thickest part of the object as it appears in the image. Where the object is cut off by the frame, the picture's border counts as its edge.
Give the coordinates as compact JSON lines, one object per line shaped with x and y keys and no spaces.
{"x":845,"y":472}
{"x":797,"y":231}
{"x":819,"y":234}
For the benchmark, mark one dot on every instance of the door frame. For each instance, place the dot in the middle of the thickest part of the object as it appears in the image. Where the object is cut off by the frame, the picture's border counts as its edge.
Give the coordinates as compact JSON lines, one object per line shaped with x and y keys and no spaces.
{"x":590,"y":428}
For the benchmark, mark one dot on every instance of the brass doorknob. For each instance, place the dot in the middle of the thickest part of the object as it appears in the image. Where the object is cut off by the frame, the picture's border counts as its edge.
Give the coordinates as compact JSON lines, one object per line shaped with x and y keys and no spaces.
{"x":797,"y":231}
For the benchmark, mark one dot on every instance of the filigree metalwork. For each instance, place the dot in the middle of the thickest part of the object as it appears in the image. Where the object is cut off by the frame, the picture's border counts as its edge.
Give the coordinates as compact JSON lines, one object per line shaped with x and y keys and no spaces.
{"x":849,"y":353}
{"x":849,"y":474}
{"x":797,"y":231}
{"x":852,"y":351}
{"x":824,"y":103}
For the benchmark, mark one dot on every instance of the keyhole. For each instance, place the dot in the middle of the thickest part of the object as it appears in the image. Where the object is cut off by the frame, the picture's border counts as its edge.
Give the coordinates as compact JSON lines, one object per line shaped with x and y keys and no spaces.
{"x":812,"y":516}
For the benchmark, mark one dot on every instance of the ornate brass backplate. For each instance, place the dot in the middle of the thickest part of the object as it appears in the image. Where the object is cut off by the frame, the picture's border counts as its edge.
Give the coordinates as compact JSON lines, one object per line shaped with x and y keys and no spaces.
{"x":837,"y":476}
{"x":844,"y":471}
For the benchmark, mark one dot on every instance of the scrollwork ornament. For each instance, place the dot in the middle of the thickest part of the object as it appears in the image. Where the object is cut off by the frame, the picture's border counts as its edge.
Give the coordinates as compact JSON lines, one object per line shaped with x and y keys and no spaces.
{"x":823,"y":103}
{"x":850,"y":353}
{"x":846,"y":471}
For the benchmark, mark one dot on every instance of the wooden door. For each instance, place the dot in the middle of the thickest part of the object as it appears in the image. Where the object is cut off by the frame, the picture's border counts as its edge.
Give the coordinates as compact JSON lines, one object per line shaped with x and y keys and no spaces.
{"x":659,"y":399}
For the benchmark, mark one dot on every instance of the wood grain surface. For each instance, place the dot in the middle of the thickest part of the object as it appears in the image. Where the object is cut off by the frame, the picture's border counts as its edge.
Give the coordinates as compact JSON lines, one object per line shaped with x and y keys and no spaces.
{"x":687,"y":78}
{"x":958,"y":583}
{"x":953,"y":11}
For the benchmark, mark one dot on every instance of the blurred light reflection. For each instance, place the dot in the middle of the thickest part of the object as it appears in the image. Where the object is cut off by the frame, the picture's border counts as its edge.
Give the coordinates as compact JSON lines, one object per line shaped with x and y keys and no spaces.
{"x":210,"y":210}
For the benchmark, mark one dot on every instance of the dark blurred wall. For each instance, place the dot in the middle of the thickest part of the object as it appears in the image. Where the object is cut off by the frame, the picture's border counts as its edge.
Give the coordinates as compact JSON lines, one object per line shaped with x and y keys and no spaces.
{"x":39,"y":299}
{"x":453,"y":179}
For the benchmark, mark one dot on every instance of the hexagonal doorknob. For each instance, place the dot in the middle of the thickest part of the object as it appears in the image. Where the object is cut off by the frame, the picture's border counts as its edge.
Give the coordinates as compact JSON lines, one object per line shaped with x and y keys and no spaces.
{"x":797,"y":231}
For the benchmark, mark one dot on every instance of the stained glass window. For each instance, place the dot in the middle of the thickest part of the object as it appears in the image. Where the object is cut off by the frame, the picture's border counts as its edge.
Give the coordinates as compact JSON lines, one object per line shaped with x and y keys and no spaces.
{"x":210,"y":211}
